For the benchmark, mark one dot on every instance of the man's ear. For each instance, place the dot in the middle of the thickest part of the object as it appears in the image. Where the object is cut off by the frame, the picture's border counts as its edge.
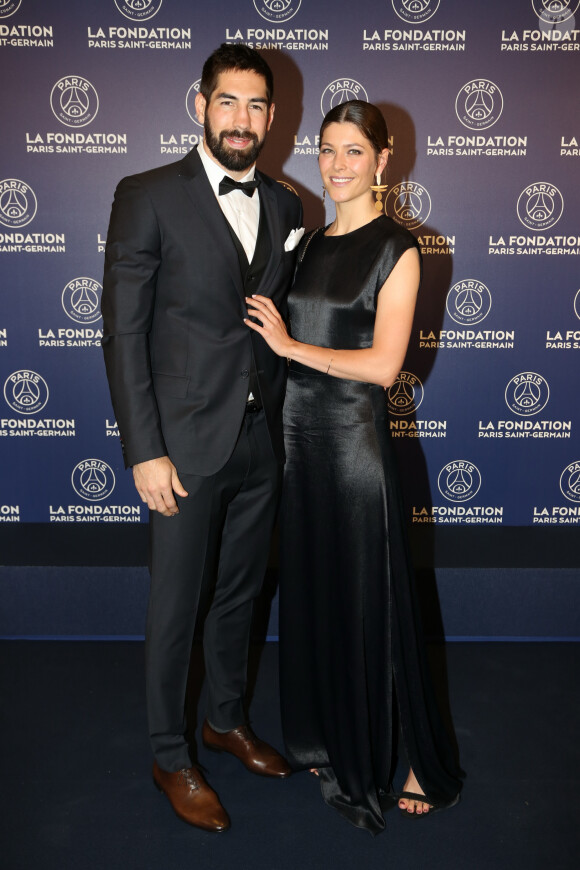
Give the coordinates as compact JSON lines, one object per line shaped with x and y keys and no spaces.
{"x":270,"y":115}
{"x":200,"y":107}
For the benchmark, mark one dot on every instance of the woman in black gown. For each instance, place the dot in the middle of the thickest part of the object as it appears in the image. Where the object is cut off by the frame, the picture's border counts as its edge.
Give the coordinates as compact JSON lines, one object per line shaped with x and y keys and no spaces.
{"x":351,"y":647}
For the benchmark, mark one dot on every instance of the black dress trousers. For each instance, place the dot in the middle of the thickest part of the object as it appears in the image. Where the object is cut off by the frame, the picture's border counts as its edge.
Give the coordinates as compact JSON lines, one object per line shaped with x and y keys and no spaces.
{"x":215,"y":549}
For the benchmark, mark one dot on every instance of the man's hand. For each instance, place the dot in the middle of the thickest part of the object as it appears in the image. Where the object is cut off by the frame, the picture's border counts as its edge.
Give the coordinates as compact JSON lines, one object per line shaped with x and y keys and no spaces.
{"x":156,"y":480}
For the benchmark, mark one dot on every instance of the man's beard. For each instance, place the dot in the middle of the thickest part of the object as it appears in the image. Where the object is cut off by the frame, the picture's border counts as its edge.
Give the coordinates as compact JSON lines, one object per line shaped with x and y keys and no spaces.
{"x":234,"y":160}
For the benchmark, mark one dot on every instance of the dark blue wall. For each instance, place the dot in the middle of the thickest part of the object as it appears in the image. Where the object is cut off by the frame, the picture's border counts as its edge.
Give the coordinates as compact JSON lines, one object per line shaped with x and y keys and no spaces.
{"x":482,"y":102}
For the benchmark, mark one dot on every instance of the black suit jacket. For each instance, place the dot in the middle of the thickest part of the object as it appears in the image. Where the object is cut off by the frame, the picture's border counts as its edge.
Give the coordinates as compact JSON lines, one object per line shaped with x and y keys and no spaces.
{"x":176,"y":349}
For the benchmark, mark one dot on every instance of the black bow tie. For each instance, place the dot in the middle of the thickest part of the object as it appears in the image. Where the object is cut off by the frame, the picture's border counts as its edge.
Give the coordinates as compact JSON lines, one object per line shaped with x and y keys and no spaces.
{"x":228,"y":184}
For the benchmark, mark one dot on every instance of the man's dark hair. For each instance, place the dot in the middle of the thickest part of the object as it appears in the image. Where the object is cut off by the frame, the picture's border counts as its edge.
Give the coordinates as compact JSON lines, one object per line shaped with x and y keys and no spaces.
{"x":234,"y":57}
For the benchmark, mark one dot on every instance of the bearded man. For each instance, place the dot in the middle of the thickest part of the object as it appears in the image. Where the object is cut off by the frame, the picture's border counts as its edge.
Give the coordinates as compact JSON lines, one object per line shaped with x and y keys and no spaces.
{"x":198,"y":400}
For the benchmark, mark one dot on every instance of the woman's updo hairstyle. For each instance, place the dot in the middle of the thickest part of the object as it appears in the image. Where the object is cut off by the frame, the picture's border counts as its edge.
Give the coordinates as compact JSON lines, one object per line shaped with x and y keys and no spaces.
{"x":365,"y":116}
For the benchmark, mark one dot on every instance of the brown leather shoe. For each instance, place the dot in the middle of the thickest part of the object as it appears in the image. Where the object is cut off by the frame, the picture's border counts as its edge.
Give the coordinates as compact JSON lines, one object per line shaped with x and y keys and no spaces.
{"x":192,"y":798}
{"x":255,"y":754}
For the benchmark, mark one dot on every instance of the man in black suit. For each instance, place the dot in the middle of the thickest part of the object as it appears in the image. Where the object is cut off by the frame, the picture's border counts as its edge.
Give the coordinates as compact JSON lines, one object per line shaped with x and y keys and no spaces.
{"x":198,"y":397}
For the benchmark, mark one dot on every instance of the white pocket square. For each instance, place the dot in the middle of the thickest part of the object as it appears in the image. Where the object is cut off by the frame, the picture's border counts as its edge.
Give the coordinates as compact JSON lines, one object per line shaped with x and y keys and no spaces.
{"x":293,"y":239}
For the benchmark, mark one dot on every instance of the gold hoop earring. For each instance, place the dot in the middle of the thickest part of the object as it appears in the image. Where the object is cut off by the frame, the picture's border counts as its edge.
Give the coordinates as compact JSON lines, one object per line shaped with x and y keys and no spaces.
{"x":379,"y":189}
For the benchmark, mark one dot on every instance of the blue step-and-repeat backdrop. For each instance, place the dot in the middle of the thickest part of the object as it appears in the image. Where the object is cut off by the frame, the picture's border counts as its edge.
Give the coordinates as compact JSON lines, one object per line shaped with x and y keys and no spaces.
{"x":483,"y":106}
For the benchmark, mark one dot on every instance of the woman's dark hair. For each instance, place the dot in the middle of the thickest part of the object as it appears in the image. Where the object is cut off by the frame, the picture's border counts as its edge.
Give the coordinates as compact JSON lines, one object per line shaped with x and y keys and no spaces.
{"x":234,"y":57}
{"x":365,"y":116}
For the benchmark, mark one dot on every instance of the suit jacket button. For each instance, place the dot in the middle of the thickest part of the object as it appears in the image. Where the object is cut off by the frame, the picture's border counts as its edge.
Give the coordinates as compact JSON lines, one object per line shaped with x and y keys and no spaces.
{"x":245,"y":373}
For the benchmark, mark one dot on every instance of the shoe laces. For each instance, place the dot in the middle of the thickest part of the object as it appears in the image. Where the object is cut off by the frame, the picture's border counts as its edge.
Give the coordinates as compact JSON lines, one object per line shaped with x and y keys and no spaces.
{"x":248,"y":735}
{"x":187,"y":777}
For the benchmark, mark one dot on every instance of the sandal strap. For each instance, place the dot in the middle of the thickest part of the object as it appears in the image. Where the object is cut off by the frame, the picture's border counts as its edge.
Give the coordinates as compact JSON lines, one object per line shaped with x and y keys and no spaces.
{"x":413,"y":796}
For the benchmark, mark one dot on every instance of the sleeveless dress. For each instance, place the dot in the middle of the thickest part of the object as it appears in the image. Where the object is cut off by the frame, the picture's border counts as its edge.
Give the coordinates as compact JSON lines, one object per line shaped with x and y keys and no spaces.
{"x":350,"y":642}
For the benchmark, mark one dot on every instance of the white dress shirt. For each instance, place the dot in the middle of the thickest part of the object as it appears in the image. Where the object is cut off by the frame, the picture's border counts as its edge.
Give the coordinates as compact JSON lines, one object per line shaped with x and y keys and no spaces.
{"x":241,"y":211}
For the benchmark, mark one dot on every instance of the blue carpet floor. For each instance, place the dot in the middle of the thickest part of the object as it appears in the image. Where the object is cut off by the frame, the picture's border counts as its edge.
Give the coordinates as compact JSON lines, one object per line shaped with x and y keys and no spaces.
{"x":76,"y":790}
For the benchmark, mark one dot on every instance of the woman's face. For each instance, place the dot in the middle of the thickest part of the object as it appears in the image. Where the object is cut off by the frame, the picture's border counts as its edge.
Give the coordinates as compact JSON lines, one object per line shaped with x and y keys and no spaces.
{"x":348,"y":162}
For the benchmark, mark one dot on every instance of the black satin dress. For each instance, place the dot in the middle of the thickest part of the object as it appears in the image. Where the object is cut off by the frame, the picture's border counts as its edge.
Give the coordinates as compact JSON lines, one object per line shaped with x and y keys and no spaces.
{"x":350,"y":642}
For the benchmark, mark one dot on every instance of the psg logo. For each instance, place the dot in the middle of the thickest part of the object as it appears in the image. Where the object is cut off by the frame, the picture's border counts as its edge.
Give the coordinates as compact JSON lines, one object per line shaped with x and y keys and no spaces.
{"x":341,"y":91}
{"x":81,"y":300}
{"x":17,"y":203}
{"x":415,"y":11}
{"x":190,"y":102}
{"x":555,"y":11}
{"x":527,"y":394}
{"x":540,"y":205}
{"x":479,"y":104}
{"x":287,"y":186}
{"x":277,"y":10}
{"x":468,"y":302}
{"x":409,"y":203}
{"x":459,"y":481}
{"x":9,"y":7}
{"x":93,"y":479}
{"x":138,"y":10}
{"x":74,"y":101}
{"x":405,"y":395}
{"x":26,"y":392}
{"x":570,"y":482}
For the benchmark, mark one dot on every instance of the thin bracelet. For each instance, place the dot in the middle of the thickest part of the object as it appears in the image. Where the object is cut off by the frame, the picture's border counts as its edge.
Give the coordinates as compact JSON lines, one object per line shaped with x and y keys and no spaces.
{"x":329,"y":364}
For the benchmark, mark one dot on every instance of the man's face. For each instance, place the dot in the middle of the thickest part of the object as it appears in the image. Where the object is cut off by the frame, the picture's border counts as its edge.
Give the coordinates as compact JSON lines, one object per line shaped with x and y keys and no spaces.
{"x":236,"y":119}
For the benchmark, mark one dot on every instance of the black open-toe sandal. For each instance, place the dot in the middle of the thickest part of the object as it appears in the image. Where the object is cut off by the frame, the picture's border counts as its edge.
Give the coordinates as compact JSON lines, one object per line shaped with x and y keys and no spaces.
{"x":433,"y":808}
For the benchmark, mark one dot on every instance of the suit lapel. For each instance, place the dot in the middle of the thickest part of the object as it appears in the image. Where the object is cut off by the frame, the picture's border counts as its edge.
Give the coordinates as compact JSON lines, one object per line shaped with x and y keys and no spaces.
{"x":202,"y":197}
{"x":268,"y":202}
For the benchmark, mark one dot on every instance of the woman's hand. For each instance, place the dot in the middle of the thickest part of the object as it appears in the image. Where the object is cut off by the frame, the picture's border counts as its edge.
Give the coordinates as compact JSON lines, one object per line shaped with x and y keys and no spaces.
{"x":272,"y":329}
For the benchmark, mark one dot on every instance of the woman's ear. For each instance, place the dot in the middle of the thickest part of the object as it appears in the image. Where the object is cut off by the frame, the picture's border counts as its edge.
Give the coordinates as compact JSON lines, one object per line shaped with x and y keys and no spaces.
{"x":382,"y":160}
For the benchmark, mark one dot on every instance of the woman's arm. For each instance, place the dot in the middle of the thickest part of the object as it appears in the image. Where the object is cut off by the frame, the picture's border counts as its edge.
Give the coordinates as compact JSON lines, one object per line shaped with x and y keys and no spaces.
{"x":379,"y":364}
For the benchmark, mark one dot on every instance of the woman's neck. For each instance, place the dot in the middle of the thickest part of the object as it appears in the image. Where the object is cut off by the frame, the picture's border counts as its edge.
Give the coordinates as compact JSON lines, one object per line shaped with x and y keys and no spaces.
{"x":351,"y":216}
